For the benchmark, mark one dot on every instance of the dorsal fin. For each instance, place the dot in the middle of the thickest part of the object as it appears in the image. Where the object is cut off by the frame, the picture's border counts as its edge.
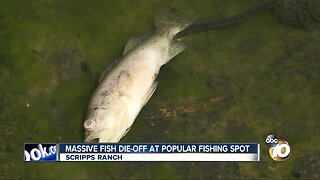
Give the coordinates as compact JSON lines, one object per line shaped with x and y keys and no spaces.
{"x":131,"y":43}
{"x":106,"y":69}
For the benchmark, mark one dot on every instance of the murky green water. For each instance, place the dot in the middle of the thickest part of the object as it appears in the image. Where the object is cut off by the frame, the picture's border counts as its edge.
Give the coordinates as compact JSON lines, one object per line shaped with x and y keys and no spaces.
{"x":239,"y":83}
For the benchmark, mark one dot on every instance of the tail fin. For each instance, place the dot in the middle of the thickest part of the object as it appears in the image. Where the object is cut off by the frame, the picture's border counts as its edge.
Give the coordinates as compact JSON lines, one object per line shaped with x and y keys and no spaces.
{"x":171,"y":23}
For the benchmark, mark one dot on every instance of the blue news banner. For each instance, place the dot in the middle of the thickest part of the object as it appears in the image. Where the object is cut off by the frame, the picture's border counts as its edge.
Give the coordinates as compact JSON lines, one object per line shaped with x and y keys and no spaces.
{"x":142,"y":152}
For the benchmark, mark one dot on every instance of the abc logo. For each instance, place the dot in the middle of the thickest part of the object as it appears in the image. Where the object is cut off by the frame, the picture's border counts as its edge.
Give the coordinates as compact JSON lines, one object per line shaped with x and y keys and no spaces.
{"x":279,"y":149}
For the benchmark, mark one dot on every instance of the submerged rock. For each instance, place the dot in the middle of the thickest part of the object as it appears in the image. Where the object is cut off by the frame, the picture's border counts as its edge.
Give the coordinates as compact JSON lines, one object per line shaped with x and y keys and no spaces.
{"x":298,"y":13}
{"x":193,"y":120}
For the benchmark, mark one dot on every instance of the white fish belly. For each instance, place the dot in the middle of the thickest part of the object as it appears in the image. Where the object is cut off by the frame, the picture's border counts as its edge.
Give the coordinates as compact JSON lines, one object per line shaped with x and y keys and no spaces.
{"x":144,"y":68}
{"x":129,"y":84}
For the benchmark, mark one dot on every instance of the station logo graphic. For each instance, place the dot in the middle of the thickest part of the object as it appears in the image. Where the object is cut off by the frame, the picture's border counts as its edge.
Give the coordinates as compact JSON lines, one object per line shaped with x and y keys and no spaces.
{"x":279,"y":149}
{"x":40,"y":152}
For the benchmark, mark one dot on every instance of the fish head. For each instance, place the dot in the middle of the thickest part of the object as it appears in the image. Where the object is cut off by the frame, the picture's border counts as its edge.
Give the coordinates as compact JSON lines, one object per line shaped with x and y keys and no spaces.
{"x":99,"y":128}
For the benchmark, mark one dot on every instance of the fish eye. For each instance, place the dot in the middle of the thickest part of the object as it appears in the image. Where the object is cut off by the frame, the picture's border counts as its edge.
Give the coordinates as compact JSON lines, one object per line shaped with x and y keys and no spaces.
{"x":90,"y":124}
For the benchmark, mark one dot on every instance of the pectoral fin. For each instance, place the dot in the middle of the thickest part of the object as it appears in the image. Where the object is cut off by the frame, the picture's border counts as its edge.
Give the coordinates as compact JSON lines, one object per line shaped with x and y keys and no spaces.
{"x":150,"y":92}
{"x":123,"y":82}
{"x":125,"y":133}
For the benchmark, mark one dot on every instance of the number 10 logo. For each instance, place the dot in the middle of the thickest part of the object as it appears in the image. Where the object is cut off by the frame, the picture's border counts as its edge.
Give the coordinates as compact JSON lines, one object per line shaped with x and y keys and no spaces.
{"x":279,"y":149}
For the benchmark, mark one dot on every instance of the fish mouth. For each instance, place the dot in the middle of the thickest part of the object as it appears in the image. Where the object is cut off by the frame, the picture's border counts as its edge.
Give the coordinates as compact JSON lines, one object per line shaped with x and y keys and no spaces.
{"x":100,"y":136}
{"x":92,"y":139}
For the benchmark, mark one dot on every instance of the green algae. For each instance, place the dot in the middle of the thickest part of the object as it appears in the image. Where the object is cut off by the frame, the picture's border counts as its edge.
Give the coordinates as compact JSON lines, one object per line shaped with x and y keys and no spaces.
{"x":52,"y":52}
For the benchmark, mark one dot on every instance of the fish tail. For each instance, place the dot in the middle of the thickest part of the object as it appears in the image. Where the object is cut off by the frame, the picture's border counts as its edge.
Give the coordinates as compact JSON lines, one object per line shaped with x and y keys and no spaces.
{"x":171,"y":23}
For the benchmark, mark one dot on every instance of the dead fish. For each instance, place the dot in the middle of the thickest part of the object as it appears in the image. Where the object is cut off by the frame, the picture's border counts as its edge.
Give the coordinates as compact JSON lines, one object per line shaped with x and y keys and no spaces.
{"x":126,"y":87}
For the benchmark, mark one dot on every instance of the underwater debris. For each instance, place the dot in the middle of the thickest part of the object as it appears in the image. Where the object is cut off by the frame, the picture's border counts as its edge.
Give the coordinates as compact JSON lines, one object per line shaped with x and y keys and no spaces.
{"x":190,"y":106}
{"x":27,"y":104}
{"x":182,"y":122}
{"x":228,"y":21}
{"x":85,"y":66}
{"x":192,"y":116}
